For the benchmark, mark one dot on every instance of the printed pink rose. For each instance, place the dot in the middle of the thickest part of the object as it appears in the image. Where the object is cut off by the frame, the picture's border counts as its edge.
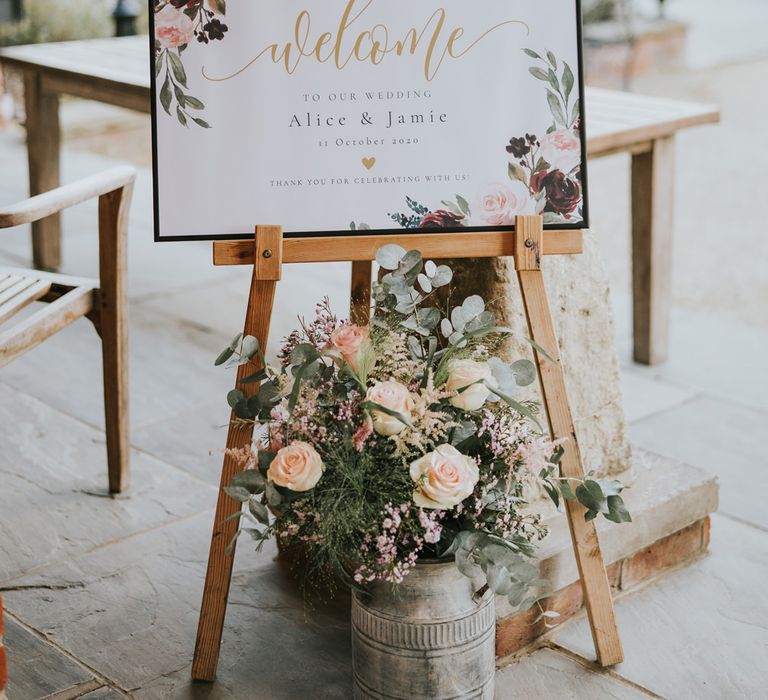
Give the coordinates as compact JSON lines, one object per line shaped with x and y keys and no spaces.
{"x":350,"y":340}
{"x":562,"y":150}
{"x":297,"y":467}
{"x":173,"y":28}
{"x":444,"y":478}
{"x":503,"y":203}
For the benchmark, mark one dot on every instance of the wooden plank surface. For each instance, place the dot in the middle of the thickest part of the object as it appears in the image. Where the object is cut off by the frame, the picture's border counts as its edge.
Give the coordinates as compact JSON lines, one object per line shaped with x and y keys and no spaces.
{"x":219,"y":572}
{"x":93,"y":68}
{"x":482,"y":244}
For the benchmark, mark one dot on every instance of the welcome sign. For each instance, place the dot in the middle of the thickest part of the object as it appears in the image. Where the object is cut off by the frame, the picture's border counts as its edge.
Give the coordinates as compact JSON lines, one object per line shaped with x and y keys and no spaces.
{"x":340,"y":116}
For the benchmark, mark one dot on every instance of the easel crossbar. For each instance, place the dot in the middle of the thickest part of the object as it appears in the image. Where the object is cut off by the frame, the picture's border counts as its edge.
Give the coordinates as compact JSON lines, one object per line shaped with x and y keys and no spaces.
{"x":355,"y":248}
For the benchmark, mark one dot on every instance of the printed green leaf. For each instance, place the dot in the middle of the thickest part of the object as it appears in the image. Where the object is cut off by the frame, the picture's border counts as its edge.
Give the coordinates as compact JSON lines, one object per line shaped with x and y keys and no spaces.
{"x":178,"y":68}
{"x":531,"y":53}
{"x":193,"y":102}
{"x":517,"y":173}
{"x":201,"y":122}
{"x":463,"y":204}
{"x":552,"y":60}
{"x":179,"y":95}
{"x":556,"y":108}
{"x":166,"y":95}
{"x":575,"y":112}
{"x":539,"y":73}
{"x":180,"y":116}
{"x":568,"y":81}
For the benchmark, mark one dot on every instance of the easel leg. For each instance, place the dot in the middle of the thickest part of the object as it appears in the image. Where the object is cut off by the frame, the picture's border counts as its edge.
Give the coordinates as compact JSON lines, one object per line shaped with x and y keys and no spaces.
{"x":360,"y":292}
{"x":266,"y":273}
{"x":594,"y":580}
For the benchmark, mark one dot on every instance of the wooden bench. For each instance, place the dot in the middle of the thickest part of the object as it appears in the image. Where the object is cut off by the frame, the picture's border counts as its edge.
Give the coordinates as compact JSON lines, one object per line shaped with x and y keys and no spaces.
{"x":117,"y":71}
{"x":102,"y":301}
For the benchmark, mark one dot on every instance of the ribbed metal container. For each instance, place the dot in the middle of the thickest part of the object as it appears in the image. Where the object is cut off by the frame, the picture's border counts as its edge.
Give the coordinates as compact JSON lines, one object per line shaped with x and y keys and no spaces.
{"x":425,"y":640}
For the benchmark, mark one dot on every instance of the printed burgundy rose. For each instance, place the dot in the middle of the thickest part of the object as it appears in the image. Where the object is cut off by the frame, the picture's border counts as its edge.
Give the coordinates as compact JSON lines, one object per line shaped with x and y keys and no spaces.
{"x":441,"y":219}
{"x":563,"y":194}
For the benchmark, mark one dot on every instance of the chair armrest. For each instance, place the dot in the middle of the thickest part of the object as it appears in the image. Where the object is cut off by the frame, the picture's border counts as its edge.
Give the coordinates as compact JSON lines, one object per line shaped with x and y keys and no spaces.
{"x":43,"y":205}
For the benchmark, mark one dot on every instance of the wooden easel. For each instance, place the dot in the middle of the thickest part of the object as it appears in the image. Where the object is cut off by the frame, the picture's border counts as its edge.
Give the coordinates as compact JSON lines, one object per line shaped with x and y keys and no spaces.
{"x":528,"y":243}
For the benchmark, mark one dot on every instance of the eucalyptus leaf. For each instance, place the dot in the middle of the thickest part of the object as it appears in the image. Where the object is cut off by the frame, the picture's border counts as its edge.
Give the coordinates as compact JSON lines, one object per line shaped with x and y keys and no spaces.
{"x":443,"y":275}
{"x":259,"y":511}
{"x":251,"y":479}
{"x":250,"y":347}
{"x":238,"y":493}
{"x":389,"y":256}
{"x":234,"y":397}
{"x":524,"y":372}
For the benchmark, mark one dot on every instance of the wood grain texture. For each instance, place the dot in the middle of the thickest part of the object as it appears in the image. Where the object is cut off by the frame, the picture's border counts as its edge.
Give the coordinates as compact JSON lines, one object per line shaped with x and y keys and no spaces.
{"x":32,"y":331}
{"x":483,"y":244}
{"x":43,"y":142}
{"x":60,"y":198}
{"x":653,"y":192}
{"x":15,"y":298}
{"x":219,"y":572}
{"x":113,"y":329}
{"x":594,"y":579}
{"x":360,"y":292}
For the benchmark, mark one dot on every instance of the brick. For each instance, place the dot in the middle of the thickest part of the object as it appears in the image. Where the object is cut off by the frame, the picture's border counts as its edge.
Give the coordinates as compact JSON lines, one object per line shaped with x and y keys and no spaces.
{"x":673,"y":550}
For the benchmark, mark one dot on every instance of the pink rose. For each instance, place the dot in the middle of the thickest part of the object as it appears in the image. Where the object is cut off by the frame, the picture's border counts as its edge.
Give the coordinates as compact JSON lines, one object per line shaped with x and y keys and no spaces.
{"x":444,"y":478}
{"x":395,"y":397}
{"x":504,"y":203}
{"x":562,"y":150}
{"x":350,"y":340}
{"x":297,"y":467}
{"x":173,"y":28}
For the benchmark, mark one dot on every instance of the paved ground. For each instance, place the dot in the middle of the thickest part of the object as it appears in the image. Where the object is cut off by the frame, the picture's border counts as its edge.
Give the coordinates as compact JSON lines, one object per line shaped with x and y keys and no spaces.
{"x":102,"y":594}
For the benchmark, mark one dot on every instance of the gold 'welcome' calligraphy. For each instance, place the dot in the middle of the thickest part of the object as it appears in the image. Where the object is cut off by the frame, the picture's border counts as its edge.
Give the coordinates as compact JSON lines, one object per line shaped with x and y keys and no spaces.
{"x":369,"y":45}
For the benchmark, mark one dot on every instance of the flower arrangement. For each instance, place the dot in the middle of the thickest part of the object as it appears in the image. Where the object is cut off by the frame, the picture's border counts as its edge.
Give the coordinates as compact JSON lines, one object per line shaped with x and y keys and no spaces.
{"x":375,"y":447}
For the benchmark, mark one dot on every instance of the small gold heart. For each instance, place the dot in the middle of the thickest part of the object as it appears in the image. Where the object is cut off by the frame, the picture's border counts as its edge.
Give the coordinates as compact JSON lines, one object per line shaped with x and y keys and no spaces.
{"x":369,"y":163}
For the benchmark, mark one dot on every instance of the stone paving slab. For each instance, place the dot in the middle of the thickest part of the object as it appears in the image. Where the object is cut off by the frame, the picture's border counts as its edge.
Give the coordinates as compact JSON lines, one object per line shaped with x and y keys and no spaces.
{"x":701,"y":632}
{"x":37,"y":669}
{"x":131,"y":614}
{"x":103,"y":694}
{"x":551,"y":673}
{"x":645,"y":396}
{"x":170,"y":370}
{"x":53,"y":499}
{"x":725,"y":439}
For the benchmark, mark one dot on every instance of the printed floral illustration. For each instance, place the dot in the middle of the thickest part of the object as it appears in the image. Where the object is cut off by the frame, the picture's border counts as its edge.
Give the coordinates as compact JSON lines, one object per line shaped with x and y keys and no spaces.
{"x":177,"y":24}
{"x":543,"y":173}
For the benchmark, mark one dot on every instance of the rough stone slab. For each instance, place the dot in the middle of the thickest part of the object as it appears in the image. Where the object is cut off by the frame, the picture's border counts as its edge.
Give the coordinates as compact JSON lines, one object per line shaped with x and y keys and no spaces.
{"x":37,"y":669}
{"x":725,"y":439}
{"x":53,"y":499}
{"x":577,"y":288}
{"x":551,"y":674}
{"x":667,"y":496}
{"x":701,"y":632}
{"x":133,"y":618}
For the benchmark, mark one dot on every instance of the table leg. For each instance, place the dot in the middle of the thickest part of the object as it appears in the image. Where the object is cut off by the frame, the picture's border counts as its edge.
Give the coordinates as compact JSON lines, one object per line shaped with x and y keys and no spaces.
{"x":652,"y":230}
{"x":43,"y":143}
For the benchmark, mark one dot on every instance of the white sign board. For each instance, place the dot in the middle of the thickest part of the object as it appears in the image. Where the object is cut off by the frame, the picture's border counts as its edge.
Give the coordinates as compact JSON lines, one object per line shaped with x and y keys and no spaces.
{"x":336,"y":116}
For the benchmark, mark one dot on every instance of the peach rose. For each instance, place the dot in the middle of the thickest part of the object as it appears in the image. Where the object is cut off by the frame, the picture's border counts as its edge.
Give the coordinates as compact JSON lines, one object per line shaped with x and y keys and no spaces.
{"x":395,"y":397}
{"x":297,"y":467}
{"x":503,"y":203}
{"x":562,"y":150}
{"x":466,"y":373}
{"x":350,"y":341}
{"x":444,"y":478}
{"x":173,"y":28}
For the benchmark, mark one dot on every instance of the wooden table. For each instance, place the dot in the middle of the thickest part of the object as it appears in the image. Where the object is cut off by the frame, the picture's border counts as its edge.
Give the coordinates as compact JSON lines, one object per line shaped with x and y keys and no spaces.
{"x":116,"y":71}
